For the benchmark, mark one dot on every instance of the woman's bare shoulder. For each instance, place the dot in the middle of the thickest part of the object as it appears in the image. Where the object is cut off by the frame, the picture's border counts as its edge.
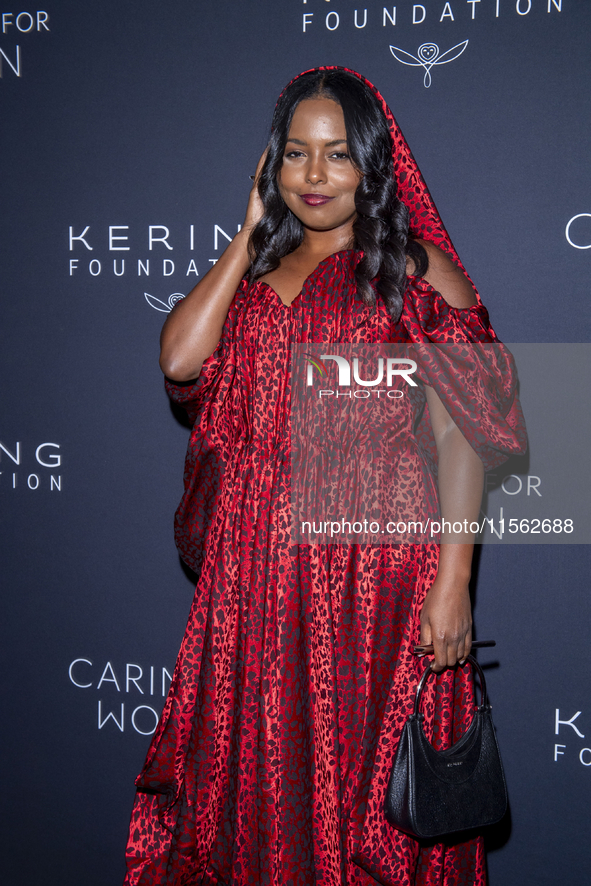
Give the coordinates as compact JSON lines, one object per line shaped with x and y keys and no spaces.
{"x":444,"y":276}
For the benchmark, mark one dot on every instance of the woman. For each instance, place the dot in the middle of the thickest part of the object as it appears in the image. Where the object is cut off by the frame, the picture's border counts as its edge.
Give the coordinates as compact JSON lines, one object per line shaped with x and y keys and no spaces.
{"x":296,"y":672}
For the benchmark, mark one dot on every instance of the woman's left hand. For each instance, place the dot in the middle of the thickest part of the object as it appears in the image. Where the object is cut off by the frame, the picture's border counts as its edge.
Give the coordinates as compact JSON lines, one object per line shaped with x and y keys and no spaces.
{"x":446,"y":622}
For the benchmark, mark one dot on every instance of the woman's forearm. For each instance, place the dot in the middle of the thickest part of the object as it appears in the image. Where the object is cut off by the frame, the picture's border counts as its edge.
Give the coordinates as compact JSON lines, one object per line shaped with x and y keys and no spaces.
{"x":460,"y":482}
{"x":194,"y":327}
{"x":446,"y":618}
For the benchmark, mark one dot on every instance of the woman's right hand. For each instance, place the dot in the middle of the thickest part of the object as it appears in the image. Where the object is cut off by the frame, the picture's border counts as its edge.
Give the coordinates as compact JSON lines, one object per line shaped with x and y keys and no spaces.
{"x":255,"y":209}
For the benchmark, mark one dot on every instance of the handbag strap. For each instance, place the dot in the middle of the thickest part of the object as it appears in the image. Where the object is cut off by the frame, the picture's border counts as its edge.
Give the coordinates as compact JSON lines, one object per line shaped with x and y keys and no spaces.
{"x":427,"y":672}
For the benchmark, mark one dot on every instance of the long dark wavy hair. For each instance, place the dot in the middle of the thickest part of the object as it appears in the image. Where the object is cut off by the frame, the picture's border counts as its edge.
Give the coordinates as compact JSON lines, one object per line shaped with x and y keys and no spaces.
{"x":381,"y":228}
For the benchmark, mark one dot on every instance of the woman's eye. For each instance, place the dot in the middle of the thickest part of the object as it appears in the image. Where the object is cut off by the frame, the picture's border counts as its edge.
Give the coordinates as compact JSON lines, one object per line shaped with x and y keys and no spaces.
{"x":340,"y":155}
{"x":292,"y":154}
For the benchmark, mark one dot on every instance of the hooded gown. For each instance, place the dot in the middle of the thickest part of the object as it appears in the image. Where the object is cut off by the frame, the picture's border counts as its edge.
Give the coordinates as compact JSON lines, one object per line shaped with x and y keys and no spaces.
{"x":295,"y":675}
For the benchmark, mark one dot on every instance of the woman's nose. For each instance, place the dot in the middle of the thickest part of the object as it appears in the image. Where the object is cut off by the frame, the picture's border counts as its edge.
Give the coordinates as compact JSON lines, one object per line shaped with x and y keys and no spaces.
{"x":316,"y":172}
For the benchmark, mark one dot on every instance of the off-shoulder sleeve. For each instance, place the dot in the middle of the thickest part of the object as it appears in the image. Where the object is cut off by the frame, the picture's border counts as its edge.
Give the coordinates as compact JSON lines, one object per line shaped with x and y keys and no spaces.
{"x":193,"y":395}
{"x":461,"y":358}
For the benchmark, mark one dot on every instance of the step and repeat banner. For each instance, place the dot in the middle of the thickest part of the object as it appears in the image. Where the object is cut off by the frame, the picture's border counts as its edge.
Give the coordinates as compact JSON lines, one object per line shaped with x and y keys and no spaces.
{"x":129,"y":131}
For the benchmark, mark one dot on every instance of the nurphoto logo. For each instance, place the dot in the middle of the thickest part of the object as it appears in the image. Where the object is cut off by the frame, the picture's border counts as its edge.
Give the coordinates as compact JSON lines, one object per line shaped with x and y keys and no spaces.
{"x":395,"y":367}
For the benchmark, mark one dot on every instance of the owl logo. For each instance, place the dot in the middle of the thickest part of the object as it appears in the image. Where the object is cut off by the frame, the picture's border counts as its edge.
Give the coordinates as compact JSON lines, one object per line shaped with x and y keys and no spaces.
{"x":427,"y":57}
{"x":167,"y":306}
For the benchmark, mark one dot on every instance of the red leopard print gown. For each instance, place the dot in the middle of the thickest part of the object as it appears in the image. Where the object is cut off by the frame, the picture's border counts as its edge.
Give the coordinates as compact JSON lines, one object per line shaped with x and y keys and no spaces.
{"x":295,"y":675}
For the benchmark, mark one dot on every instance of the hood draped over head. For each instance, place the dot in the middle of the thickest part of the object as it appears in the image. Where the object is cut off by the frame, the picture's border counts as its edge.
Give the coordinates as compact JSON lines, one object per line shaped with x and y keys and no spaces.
{"x":425,"y":221}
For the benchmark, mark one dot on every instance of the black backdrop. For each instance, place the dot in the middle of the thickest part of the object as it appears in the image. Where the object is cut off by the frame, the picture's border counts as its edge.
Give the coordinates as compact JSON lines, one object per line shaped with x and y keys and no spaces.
{"x":143,"y":120}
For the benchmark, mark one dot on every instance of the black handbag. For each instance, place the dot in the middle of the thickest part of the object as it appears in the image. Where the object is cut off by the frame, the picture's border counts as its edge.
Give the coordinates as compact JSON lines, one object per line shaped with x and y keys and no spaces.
{"x":434,"y":793}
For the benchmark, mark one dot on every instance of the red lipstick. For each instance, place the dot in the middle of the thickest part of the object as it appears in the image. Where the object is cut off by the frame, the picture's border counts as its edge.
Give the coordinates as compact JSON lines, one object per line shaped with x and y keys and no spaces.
{"x":315,"y":199}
